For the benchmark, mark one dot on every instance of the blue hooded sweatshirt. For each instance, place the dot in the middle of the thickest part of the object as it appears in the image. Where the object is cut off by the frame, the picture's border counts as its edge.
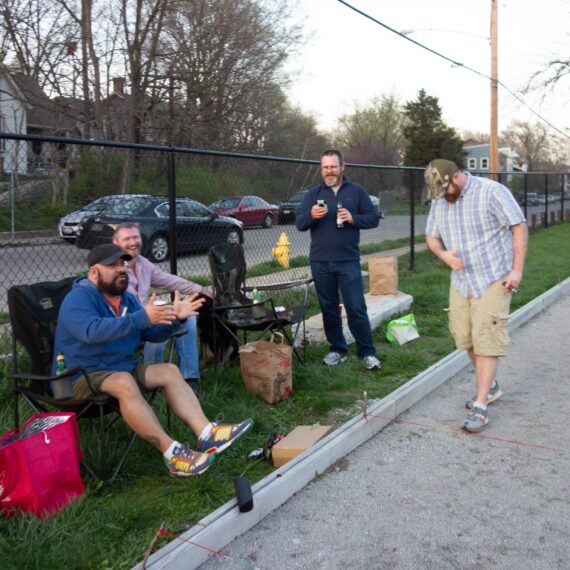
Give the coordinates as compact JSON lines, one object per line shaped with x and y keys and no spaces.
{"x":90,"y":334}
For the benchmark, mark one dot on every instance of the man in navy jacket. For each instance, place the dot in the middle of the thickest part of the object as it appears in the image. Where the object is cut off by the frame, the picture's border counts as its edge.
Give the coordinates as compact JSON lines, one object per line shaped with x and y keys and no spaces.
{"x":335,"y":211}
{"x":100,"y":325}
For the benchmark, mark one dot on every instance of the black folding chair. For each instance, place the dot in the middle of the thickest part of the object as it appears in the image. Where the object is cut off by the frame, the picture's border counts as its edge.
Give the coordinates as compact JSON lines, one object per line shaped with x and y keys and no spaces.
{"x":33,"y":316}
{"x":235,"y":311}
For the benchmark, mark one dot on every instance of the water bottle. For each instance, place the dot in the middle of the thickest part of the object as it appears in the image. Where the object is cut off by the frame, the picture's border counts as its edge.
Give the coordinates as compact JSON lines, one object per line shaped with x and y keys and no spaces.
{"x":60,"y":368}
{"x":62,"y":389}
{"x":339,"y":222}
{"x":256,"y":296}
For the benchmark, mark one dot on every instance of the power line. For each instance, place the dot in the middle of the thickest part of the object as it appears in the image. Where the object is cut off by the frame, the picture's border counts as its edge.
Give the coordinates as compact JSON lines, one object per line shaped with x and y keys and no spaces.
{"x":455,"y":63}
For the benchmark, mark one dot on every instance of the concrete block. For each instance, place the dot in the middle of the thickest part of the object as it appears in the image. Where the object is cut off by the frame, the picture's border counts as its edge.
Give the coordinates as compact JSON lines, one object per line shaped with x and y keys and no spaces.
{"x":380,"y":308}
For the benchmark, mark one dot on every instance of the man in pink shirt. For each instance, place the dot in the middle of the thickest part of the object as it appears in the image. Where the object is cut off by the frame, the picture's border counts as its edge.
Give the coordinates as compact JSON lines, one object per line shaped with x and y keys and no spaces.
{"x":144,"y":275}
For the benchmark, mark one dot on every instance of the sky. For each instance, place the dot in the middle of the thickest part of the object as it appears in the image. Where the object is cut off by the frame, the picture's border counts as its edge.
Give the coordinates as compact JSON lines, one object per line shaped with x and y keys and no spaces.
{"x":348,"y":59}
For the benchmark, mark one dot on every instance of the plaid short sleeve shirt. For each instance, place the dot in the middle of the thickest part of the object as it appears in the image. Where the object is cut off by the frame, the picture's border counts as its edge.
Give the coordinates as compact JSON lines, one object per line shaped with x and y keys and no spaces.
{"x":478,"y":226}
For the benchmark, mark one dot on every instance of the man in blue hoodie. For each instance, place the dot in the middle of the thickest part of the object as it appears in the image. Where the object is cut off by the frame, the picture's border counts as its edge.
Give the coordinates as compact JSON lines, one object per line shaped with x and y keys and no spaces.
{"x":335,"y":211}
{"x":100,"y":326}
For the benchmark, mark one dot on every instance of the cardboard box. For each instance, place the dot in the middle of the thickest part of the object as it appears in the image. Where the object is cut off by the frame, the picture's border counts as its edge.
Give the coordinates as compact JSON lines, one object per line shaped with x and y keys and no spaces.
{"x":301,"y":438}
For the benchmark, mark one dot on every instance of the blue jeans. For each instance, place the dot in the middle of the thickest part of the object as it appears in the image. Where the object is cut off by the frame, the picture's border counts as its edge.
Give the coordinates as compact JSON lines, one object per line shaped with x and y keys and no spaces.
{"x":186,"y":350}
{"x":330,"y":276}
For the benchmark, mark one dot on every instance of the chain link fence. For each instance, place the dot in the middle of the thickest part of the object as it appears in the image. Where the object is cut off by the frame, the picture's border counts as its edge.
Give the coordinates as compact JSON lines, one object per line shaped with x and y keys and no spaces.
{"x":45,"y":179}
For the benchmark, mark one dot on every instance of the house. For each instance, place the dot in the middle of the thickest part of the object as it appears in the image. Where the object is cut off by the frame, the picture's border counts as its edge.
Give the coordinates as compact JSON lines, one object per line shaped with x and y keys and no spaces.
{"x":26,"y":109}
{"x":477,"y":158}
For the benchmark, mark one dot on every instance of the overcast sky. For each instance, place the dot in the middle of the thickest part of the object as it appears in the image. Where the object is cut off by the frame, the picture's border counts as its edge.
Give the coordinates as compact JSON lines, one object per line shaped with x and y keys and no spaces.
{"x":349,"y":58}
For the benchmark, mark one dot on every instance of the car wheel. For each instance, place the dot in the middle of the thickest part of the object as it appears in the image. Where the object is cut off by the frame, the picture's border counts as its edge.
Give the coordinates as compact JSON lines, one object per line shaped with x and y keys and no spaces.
{"x":157,"y":248}
{"x":233,"y":236}
{"x":268,"y":222}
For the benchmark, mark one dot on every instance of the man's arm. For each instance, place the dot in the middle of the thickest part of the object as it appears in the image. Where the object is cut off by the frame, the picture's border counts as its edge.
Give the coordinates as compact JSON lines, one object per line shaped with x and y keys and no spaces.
{"x":520,"y":241}
{"x":448,"y":257}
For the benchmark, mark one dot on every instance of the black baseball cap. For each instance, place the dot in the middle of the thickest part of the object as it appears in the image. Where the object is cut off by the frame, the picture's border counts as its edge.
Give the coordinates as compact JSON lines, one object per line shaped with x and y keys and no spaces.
{"x":106,"y":254}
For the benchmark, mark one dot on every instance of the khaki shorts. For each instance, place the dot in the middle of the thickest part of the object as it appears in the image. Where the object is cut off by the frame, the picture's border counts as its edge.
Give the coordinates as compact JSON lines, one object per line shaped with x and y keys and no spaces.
{"x":481,"y":324}
{"x":81,"y":389}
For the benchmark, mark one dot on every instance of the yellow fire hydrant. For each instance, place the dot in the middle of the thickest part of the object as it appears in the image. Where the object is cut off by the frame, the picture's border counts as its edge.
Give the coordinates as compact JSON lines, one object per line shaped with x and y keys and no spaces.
{"x":281,"y":251}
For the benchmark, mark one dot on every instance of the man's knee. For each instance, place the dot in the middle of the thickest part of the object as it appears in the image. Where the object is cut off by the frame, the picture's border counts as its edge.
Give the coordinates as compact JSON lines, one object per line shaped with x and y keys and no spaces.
{"x":120,"y":384}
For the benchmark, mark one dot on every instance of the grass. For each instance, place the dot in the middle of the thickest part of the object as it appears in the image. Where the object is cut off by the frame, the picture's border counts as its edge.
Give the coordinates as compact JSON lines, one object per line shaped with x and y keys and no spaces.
{"x":111,"y":526}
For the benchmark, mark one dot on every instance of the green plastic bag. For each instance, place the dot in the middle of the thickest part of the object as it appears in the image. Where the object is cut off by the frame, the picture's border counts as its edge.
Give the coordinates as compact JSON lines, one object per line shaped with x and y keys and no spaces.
{"x":402,"y":330}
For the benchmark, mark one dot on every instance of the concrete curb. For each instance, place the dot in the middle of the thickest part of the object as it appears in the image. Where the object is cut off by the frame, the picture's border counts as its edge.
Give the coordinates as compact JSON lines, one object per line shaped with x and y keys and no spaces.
{"x":222,"y":526}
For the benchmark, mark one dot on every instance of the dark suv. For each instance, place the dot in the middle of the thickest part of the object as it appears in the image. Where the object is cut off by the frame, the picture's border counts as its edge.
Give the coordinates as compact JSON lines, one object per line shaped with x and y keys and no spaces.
{"x":287,"y":207}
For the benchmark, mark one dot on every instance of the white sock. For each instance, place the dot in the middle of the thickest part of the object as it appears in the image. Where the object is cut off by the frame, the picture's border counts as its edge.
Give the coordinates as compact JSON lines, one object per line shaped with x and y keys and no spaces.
{"x":206,"y":431}
{"x":174,"y":448}
{"x":478,"y":405}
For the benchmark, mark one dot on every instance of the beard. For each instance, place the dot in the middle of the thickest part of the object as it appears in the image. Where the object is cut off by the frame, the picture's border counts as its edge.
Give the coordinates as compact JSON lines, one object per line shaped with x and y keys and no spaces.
{"x":116,"y":286}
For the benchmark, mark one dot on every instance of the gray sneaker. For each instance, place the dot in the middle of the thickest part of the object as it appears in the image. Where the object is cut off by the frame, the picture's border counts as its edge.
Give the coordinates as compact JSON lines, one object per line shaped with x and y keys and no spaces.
{"x":334,"y":358}
{"x":372,"y":363}
{"x":493,"y":395}
{"x":476,"y":420}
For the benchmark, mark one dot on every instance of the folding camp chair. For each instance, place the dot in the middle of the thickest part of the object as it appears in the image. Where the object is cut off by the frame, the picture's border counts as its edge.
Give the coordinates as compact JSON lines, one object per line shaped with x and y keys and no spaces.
{"x":33,"y":317}
{"x":236,"y":312}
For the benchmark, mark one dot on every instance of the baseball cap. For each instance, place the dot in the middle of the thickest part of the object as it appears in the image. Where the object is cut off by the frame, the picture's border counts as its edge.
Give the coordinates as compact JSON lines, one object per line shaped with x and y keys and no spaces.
{"x":437,"y":176}
{"x":106,"y":254}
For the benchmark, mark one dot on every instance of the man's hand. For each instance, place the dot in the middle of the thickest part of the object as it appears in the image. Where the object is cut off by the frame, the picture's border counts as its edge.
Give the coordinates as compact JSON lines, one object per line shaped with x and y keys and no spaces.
{"x":345,"y":216}
{"x":159,"y":314}
{"x":187,"y":307}
{"x":450,"y":258}
{"x":512,"y":281}
{"x":318,"y":212}
{"x":208,"y":292}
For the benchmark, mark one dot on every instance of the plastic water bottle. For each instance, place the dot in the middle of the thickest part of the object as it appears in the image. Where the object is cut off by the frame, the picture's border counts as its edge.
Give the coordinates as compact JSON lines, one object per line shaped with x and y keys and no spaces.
{"x":256,"y":296}
{"x":60,"y":368}
{"x":339,"y":222}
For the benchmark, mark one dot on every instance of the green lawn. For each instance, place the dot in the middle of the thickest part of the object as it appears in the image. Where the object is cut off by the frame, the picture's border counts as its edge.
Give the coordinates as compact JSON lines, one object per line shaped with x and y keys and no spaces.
{"x":111,"y":526}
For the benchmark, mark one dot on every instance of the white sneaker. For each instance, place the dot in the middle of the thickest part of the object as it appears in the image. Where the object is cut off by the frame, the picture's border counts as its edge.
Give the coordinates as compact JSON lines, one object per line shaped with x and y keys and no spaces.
{"x":334,"y":358}
{"x":372,"y":363}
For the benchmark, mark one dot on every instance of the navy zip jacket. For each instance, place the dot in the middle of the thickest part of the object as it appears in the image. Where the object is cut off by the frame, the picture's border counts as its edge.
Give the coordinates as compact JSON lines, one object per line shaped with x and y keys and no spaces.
{"x":91,"y":335}
{"x":328,"y":243}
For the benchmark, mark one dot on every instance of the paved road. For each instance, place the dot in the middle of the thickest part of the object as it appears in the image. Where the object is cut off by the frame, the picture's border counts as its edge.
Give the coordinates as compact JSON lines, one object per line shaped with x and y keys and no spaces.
{"x":423,"y":495}
{"x":51,"y":258}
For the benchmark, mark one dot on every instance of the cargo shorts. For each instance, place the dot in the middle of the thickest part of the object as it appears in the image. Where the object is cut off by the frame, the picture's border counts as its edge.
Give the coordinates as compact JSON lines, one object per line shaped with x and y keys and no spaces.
{"x":481,"y":323}
{"x":81,"y":389}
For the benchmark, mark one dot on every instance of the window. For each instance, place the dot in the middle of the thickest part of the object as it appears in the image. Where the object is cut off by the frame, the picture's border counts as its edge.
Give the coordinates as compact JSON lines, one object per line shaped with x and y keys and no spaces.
{"x":484,"y":164}
{"x":472,"y":165}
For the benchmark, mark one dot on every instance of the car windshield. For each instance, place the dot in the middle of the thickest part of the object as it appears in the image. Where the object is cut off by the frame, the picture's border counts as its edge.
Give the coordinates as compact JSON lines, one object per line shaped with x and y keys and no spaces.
{"x":128,"y":206}
{"x":226,"y":203}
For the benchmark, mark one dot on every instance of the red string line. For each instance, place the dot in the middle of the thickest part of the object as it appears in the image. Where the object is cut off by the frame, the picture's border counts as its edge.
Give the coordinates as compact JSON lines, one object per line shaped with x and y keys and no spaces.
{"x":166,"y":534}
{"x":366,"y":415}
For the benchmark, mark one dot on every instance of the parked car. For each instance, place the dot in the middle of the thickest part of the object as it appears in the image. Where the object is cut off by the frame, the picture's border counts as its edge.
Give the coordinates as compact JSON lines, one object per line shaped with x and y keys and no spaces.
{"x":250,"y":210}
{"x":531,"y":198}
{"x":197,"y":227}
{"x":287,"y":207}
{"x":68,"y":226}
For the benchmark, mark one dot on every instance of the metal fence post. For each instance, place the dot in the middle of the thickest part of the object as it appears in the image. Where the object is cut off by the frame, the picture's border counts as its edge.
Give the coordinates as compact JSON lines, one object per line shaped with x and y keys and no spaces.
{"x":172,"y":212}
{"x":545,"y":200}
{"x":412,"y":220}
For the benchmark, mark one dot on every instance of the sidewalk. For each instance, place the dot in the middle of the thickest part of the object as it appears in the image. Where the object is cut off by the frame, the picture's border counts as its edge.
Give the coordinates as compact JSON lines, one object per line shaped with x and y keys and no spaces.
{"x":422,"y":494}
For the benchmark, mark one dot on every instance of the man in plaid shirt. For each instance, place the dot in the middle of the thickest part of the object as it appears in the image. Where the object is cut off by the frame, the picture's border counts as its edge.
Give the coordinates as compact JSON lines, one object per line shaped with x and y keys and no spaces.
{"x":476,"y":227}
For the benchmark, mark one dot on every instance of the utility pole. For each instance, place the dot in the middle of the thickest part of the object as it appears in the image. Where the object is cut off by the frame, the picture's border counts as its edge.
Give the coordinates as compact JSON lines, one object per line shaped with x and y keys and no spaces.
{"x":493,"y":147}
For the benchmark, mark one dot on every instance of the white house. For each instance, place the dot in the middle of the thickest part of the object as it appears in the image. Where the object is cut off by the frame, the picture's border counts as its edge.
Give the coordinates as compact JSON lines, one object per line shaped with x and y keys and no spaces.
{"x":14,"y":110}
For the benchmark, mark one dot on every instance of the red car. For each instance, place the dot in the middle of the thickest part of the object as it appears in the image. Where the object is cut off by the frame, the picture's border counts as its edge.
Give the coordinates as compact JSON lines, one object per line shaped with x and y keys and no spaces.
{"x":250,"y":210}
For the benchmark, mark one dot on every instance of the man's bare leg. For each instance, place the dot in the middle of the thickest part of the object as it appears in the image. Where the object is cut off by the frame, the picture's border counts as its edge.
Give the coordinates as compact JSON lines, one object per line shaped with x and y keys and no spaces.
{"x":179,"y":396}
{"x":135,"y":410}
{"x":485,"y":373}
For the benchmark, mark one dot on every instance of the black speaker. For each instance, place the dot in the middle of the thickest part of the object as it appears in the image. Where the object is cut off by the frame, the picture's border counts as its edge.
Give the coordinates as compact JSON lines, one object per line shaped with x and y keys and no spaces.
{"x":243,"y":494}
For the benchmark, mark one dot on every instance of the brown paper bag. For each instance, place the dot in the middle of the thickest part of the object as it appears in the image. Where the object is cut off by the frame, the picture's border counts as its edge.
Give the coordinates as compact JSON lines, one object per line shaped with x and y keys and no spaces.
{"x":383,"y":275}
{"x":266,"y":367}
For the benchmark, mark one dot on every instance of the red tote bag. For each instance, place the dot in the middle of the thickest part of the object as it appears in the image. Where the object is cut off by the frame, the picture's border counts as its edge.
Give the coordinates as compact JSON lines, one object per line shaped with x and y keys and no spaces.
{"x":39,"y":465}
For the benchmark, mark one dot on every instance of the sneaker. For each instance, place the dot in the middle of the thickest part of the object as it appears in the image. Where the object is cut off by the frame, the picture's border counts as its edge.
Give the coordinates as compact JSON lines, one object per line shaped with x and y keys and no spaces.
{"x":493,"y":395}
{"x":476,"y":420}
{"x":334,"y":358}
{"x":186,"y":462}
{"x":222,"y":436}
{"x":372,"y":363}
